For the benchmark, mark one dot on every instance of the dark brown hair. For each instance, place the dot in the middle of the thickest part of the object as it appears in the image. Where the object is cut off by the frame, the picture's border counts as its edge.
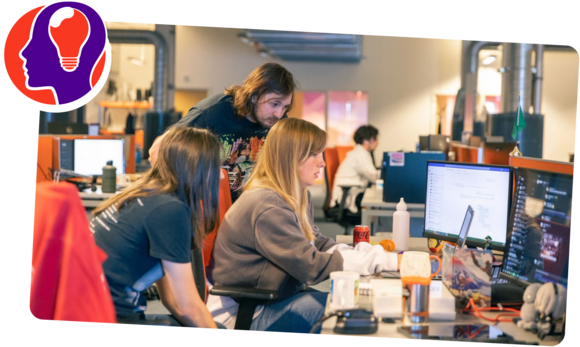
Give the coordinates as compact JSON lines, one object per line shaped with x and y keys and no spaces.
{"x":188,"y":166}
{"x":266,"y":78}
{"x":365,"y":132}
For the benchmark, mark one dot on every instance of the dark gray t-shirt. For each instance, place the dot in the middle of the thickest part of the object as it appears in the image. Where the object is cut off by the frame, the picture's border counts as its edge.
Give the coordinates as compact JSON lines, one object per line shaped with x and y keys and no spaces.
{"x":136,"y":239}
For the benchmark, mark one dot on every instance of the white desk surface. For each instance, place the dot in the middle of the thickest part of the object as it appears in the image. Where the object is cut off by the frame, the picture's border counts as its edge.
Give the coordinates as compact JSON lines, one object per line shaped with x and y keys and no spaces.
{"x":373,"y":198}
{"x":390,"y":329}
{"x":94,"y":199}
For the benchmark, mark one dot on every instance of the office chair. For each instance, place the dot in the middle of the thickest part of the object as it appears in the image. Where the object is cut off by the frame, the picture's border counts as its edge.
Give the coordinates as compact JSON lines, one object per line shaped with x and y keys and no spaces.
{"x":247,"y":298}
{"x":342,"y":151}
{"x":338,"y":214}
{"x":67,"y":274}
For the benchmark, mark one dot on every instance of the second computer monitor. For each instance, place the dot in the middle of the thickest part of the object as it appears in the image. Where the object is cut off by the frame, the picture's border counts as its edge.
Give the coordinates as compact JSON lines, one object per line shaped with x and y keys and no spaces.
{"x":90,"y":155}
{"x":538,"y":245}
{"x":451,"y":187}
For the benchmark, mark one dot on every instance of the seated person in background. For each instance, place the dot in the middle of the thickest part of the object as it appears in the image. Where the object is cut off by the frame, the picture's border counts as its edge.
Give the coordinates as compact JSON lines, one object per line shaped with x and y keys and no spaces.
{"x":268,"y":240}
{"x":357,"y":169}
{"x":149,"y":230}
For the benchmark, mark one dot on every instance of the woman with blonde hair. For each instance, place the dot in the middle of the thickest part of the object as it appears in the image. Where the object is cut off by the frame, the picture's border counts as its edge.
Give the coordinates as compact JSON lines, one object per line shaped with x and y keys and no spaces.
{"x":151,"y":230}
{"x":268,"y":239}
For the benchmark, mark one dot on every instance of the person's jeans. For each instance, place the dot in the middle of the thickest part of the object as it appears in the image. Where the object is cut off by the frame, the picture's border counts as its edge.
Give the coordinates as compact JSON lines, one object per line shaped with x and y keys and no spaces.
{"x":296,"y":314}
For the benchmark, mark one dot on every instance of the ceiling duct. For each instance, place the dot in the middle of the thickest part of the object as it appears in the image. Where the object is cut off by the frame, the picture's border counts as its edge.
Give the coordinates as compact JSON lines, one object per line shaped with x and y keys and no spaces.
{"x":302,"y":46}
{"x":160,"y":84}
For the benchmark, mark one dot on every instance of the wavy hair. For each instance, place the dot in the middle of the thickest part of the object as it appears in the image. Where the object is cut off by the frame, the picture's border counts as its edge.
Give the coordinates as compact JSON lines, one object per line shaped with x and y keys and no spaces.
{"x":290,"y":143}
{"x":266,"y":78}
{"x":188,"y":166}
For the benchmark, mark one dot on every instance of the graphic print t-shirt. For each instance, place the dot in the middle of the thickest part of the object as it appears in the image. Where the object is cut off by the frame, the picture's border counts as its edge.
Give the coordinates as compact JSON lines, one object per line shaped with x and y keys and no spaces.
{"x":136,"y":239}
{"x":240,"y":139}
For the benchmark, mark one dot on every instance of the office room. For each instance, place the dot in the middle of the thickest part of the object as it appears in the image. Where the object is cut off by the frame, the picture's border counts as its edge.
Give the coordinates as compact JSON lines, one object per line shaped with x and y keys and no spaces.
{"x":417,"y":93}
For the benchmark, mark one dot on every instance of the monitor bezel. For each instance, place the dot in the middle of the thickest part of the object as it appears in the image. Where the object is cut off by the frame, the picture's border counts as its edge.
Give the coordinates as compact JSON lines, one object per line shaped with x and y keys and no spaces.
{"x":470,"y":242}
{"x":506,"y":276}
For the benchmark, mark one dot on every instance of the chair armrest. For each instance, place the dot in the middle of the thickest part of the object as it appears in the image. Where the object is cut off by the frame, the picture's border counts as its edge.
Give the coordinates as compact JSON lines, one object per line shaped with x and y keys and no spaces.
{"x":248,"y":299}
{"x":244,"y":293}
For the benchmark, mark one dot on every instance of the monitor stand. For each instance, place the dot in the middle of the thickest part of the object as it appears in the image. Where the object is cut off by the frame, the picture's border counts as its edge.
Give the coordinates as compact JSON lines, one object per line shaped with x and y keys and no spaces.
{"x":506,"y":293}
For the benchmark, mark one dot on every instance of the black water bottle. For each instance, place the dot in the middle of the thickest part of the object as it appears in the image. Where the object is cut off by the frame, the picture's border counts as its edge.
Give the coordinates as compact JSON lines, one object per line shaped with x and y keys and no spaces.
{"x":109,"y":178}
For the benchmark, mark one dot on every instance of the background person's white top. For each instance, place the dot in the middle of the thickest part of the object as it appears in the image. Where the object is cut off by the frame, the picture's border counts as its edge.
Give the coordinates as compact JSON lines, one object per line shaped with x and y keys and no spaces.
{"x":357,"y":169}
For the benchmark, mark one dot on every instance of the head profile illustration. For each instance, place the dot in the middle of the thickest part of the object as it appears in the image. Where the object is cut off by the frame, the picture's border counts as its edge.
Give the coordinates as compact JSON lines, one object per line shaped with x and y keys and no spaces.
{"x":65,"y":52}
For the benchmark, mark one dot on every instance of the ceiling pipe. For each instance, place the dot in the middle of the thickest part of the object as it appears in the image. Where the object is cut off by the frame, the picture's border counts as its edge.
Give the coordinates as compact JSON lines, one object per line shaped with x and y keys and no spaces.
{"x":516,"y":85}
{"x":160,"y":81}
{"x":470,"y":67}
{"x":538,"y":77}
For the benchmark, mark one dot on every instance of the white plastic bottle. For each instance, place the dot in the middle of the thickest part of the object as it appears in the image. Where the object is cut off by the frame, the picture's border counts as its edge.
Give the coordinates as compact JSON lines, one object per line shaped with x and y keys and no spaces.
{"x":401,"y":224}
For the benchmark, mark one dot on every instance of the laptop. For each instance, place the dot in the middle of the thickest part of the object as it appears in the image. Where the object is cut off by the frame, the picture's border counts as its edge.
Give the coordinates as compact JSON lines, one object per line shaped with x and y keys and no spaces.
{"x":465,"y":228}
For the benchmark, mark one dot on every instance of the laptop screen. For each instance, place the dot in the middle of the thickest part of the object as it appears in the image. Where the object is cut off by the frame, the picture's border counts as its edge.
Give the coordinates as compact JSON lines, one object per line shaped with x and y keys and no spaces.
{"x":465,"y":227}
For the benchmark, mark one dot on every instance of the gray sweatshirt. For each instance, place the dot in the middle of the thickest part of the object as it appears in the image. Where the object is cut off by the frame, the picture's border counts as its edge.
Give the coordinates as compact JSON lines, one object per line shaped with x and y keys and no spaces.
{"x":260,"y":245}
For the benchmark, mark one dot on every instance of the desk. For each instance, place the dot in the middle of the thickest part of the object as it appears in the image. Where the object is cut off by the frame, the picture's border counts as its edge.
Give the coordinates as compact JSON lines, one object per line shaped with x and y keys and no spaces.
{"x":373,"y":206}
{"x":390,"y":329}
{"x":93,"y":199}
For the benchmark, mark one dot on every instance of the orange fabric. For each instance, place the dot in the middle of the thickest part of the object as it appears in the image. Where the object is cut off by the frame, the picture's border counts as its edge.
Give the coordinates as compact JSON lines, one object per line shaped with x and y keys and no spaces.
{"x":225,"y":201}
{"x":44,"y":159}
{"x":332,"y":162}
{"x":342,"y":151}
{"x":68,"y":282}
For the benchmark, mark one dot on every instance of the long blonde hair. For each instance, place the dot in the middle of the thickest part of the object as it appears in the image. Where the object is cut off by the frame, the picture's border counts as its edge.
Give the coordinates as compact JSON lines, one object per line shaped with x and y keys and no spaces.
{"x":188,"y":166}
{"x":289,"y":144}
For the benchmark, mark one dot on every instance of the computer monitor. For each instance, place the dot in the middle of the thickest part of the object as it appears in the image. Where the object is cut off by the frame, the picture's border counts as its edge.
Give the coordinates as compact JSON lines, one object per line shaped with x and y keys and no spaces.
{"x":90,"y":155}
{"x":538,"y":239}
{"x":451,"y":187}
{"x":67,"y":128}
{"x":439,"y":143}
{"x":423,"y":143}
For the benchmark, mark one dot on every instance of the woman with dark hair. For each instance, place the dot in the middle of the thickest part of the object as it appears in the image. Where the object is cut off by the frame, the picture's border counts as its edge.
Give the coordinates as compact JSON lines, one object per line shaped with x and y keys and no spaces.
{"x":151,"y":230}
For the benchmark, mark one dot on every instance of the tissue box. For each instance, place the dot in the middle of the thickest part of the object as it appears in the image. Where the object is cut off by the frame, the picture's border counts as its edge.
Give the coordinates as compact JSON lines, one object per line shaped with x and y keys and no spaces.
{"x":387,"y":300}
{"x":441,"y":302}
{"x":387,"y":297}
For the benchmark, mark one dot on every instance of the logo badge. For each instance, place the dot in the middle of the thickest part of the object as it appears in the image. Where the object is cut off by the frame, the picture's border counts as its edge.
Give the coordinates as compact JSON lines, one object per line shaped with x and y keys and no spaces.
{"x":59,"y":55}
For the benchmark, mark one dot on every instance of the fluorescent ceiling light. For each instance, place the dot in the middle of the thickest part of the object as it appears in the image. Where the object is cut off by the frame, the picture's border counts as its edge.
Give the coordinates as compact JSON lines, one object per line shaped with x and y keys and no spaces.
{"x":490,"y":59}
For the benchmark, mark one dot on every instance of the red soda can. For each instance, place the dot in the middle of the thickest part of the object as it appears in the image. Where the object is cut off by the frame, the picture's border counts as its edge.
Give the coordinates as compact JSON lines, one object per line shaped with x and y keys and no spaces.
{"x":361,"y":233}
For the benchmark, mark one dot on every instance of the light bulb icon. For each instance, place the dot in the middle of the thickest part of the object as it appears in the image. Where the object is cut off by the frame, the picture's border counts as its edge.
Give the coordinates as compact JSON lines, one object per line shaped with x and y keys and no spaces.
{"x":69,"y":31}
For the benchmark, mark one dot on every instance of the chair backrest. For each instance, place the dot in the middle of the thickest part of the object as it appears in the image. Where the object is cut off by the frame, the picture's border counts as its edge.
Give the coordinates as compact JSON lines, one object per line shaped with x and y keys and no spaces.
{"x":225,"y":201}
{"x":342,"y":151}
{"x":67,"y":274}
{"x":332,"y":162}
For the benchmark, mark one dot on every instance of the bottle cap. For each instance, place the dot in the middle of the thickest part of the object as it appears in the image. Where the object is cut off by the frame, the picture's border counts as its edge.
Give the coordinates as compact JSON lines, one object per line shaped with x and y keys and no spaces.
{"x":401,"y":206}
{"x":109,"y":162}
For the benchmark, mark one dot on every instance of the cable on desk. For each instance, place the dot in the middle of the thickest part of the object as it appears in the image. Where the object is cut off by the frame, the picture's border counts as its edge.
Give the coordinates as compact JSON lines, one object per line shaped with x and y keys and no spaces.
{"x":323,"y":319}
{"x":476,"y":311}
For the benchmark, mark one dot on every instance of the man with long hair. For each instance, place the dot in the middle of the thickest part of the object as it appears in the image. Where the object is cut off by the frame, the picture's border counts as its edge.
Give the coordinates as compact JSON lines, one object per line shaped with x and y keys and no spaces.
{"x":153,"y":231}
{"x":241,"y":116}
